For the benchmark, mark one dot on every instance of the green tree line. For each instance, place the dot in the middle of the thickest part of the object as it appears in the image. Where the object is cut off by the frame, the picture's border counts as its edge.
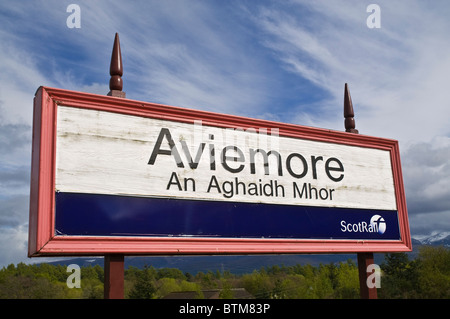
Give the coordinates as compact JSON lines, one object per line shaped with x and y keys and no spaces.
{"x":426,"y":276}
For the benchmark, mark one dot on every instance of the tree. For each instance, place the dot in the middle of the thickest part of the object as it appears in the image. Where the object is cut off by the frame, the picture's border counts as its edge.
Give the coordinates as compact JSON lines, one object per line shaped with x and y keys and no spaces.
{"x":319,"y":282}
{"x":170,"y":273}
{"x":292,"y":286}
{"x":434,"y":272}
{"x":347,"y":281}
{"x":259,"y":284}
{"x":28,"y":287}
{"x":226,"y":292}
{"x":399,"y":277}
{"x":143,"y":287}
{"x":207,"y":281}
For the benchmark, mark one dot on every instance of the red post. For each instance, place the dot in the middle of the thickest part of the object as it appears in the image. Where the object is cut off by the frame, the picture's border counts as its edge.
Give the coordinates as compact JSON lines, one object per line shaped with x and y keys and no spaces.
{"x":364,"y":259}
{"x":114,"y":264}
{"x":114,"y":277}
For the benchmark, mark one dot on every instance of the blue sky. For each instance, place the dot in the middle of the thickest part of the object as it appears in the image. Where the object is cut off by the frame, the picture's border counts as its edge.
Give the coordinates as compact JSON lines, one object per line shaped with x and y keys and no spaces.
{"x":279,"y":60}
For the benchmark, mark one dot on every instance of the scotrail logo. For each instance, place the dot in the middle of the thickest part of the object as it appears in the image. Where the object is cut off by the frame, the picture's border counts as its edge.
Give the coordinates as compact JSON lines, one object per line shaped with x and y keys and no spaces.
{"x":377,"y":224}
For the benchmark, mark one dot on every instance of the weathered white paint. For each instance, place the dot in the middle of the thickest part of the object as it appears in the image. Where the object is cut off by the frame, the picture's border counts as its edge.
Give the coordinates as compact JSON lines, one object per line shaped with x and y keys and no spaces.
{"x":108,"y":153}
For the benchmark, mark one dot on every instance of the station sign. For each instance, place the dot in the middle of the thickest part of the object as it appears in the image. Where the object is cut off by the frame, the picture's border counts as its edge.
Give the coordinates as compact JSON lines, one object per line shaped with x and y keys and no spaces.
{"x":113,"y":175}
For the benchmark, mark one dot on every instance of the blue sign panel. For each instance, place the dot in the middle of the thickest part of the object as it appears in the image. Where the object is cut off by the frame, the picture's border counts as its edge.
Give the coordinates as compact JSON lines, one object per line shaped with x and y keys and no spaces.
{"x":80,"y":214}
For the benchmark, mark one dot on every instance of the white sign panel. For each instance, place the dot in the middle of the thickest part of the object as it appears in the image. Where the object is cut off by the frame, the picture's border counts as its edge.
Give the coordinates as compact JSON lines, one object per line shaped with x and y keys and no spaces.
{"x":119,"y":154}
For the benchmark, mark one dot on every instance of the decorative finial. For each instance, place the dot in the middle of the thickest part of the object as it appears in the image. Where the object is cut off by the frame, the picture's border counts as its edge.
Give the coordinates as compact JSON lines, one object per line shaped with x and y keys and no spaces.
{"x":349,"y":114}
{"x":116,"y":70}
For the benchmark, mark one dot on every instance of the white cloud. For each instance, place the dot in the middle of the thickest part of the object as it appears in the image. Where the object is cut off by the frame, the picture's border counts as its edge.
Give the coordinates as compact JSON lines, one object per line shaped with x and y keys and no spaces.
{"x":429,"y":223}
{"x":396,"y":74}
{"x":15,"y":243}
{"x":427,"y":177}
{"x":19,"y":80}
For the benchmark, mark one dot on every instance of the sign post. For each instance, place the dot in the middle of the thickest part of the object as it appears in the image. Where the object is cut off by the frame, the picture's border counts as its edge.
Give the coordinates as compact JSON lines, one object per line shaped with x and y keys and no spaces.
{"x":115,"y":177}
{"x":114,"y":276}
{"x":114,"y":265}
{"x":366,"y":258}
{"x":364,"y":261}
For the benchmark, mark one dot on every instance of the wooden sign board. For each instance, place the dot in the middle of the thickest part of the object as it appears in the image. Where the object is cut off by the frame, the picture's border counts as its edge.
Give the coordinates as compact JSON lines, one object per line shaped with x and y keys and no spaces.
{"x":112,"y":175}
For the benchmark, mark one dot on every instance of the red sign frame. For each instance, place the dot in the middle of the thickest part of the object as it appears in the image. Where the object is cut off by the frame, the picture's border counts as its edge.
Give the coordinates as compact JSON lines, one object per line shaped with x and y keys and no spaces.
{"x":42,"y":239}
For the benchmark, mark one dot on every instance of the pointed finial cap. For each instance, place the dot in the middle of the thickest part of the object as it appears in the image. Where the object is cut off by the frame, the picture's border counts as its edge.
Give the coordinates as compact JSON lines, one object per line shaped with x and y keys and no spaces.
{"x":116,"y":70}
{"x":349,"y":114}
